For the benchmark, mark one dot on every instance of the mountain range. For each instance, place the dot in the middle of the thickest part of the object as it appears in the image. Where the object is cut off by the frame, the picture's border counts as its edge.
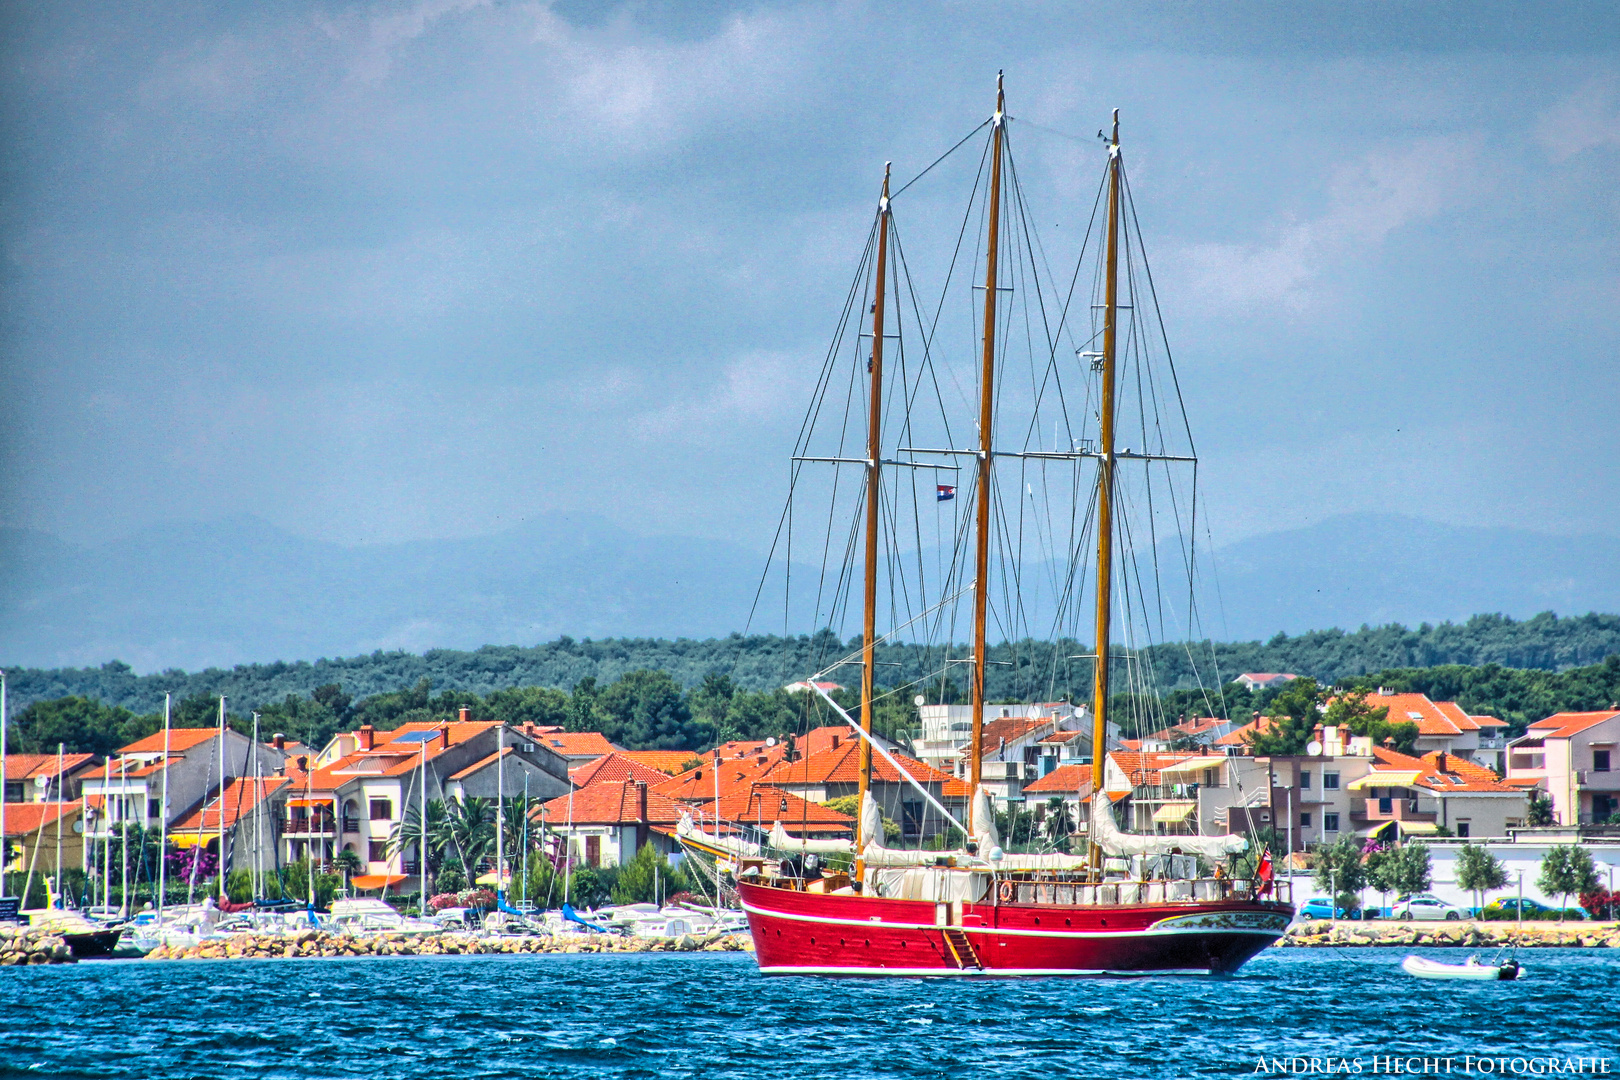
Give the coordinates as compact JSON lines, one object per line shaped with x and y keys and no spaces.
{"x":241,"y":590}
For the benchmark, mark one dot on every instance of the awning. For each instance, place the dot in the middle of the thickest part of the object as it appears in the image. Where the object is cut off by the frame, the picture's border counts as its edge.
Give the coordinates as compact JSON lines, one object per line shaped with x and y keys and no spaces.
{"x":192,"y":840}
{"x":1173,"y":813}
{"x":1417,"y":828}
{"x":1375,"y":829}
{"x":309,"y":802}
{"x":1385,"y":778}
{"x":1192,"y":767}
{"x":376,"y":881}
{"x":491,"y":879}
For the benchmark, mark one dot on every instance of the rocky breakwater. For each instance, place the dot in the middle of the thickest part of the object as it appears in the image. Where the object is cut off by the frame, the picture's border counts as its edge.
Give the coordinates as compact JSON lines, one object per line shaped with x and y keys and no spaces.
{"x":319,"y":943}
{"x":25,"y":945}
{"x":1467,"y":935}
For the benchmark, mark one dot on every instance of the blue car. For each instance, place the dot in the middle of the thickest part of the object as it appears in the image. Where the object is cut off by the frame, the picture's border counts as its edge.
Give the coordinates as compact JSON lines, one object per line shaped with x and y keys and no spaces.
{"x":1321,"y":907}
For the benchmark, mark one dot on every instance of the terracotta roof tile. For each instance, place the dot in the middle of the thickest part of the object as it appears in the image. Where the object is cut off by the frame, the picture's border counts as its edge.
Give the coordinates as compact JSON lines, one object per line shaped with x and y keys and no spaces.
{"x":1563,"y":725}
{"x":609,"y":803}
{"x":240,"y":796}
{"x":180,"y":739}
{"x":668,"y":762}
{"x":1063,"y":780}
{"x":25,"y":818}
{"x":842,"y":766}
{"x":28,"y":766}
{"x":616,"y":768}
{"x":763,"y":805}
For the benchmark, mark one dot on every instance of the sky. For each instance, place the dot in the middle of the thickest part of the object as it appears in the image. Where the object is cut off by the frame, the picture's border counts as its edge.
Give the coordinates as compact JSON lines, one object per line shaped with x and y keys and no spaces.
{"x":377,"y":272}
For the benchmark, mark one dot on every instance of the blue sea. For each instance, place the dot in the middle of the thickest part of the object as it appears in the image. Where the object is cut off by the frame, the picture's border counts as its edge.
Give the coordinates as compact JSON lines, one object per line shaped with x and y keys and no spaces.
{"x":712,"y":1016}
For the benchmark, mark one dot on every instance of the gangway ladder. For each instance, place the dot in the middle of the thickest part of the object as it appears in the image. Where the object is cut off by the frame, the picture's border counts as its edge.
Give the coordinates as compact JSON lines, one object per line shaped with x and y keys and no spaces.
{"x":961,"y":949}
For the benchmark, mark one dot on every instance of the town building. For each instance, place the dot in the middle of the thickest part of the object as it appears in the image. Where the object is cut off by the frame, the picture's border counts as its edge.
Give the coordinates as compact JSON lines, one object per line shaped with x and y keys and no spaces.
{"x":606,"y":823}
{"x":36,"y":831}
{"x":46,"y":777}
{"x":1435,"y":793}
{"x":1571,"y":757}
{"x":248,"y":814}
{"x":1264,"y":680}
{"x":947,"y":730}
{"x":834,"y":773}
{"x":1072,"y":784}
{"x":1445,"y":727}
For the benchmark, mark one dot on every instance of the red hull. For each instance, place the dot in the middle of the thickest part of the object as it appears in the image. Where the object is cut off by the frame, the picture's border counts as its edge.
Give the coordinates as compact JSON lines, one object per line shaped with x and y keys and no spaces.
{"x":799,"y":933}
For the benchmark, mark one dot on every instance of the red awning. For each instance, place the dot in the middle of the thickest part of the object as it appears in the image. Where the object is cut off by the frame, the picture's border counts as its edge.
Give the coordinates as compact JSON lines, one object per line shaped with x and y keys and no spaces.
{"x":309,"y":802}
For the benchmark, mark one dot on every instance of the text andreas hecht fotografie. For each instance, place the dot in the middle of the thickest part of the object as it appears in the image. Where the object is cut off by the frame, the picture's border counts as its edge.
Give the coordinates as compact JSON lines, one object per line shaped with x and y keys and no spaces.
{"x":1425,"y":1065}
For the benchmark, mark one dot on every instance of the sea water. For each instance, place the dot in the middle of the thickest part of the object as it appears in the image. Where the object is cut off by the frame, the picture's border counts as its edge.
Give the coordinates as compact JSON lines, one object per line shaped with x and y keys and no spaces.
{"x":1348,"y":1012}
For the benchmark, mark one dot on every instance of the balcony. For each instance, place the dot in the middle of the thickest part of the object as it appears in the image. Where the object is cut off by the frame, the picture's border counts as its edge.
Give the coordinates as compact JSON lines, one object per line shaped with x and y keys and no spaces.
{"x":1593,"y":780}
{"x":308,"y":825}
{"x":1389,"y":809}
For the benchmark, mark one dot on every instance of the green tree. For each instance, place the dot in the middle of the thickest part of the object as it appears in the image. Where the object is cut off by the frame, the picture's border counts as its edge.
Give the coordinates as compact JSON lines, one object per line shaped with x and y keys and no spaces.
{"x":346,"y":862}
{"x":1294,"y":714}
{"x":1409,"y":869}
{"x":78,"y":724}
{"x":647,"y":878}
{"x":408,"y":833}
{"x":1350,"y":710}
{"x":1059,"y":821}
{"x":470,"y":825}
{"x":646,"y":710}
{"x":1567,"y":870}
{"x":1479,"y":872}
{"x":1540,"y":811}
{"x":1339,"y":870}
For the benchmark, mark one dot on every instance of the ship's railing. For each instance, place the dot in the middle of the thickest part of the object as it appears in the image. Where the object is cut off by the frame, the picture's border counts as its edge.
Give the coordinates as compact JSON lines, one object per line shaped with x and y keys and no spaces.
{"x":1109,"y":893}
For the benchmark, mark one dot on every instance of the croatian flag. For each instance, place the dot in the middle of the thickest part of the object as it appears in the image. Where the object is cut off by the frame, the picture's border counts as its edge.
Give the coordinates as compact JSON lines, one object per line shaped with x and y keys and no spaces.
{"x":945,"y":492}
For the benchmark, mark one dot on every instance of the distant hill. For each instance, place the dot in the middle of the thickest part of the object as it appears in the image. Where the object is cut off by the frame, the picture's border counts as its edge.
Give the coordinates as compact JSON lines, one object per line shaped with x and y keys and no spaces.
{"x":193,"y":596}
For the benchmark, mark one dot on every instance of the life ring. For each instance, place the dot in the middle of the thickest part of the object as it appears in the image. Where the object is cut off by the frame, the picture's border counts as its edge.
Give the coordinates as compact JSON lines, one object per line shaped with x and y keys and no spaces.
{"x":1006,"y":891}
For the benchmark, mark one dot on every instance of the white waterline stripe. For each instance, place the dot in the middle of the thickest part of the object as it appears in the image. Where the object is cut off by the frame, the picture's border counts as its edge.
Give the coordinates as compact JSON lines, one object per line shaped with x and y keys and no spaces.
{"x":1144,"y":932}
{"x":979,"y":973}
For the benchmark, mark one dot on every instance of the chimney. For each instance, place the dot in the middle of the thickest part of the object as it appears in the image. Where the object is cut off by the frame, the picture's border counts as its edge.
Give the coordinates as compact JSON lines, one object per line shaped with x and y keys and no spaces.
{"x":1440,"y":762}
{"x":463,"y":714}
{"x":1389,"y":742}
{"x":835,"y":742}
{"x":641,"y":813}
{"x":444,"y":736}
{"x":279,"y":741}
{"x":368,"y":736}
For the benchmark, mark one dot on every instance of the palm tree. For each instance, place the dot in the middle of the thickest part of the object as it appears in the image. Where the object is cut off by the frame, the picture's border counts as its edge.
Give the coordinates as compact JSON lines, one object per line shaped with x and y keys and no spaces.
{"x":1059,"y":820}
{"x":470,"y":823}
{"x":347,"y":862}
{"x":409,"y":832}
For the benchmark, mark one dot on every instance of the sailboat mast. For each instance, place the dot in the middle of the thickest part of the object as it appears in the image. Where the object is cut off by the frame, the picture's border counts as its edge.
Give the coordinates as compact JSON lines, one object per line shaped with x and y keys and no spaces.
{"x":1105,"y":489}
{"x":874,"y":466}
{"x":987,"y":401}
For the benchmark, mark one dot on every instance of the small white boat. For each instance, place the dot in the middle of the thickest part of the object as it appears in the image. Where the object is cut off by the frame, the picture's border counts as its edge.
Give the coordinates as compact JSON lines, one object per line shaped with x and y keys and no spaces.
{"x":1472,"y":969}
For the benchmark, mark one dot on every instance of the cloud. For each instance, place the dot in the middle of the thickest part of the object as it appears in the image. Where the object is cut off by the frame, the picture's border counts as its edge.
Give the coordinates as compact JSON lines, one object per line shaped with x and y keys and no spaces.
{"x":1583,"y":120}
{"x":1367,"y":200}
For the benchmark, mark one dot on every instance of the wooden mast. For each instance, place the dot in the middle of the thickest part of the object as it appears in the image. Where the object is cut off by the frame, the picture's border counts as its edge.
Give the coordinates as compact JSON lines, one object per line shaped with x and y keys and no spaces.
{"x":1105,"y":495}
{"x":987,"y":401}
{"x":874,"y":465}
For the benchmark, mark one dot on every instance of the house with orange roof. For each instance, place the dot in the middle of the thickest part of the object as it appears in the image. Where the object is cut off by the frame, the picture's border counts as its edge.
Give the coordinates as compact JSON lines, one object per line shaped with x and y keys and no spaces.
{"x":617,"y":767}
{"x":1190,"y":733}
{"x":246,"y":813}
{"x":756,"y":807}
{"x":1152,"y":803}
{"x":835,"y":773}
{"x":156,"y":779}
{"x":1436,"y":792}
{"x":1072,"y":784}
{"x":1571,"y":756}
{"x":699,"y":782}
{"x":668,"y":762}
{"x":947,"y":730}
{"x":606,"y":823}
{"x":1445,"y":726}
{"x":33,"y":831}
{"x":44,"y":778}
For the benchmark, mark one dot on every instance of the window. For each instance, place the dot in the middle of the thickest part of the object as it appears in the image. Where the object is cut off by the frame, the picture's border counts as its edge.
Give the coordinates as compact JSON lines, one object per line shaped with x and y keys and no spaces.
{"x":1305,"y":819}
{"x":378,"y":851}
{"x":1304,"y":778}
{"x":1330,"y":822}
{"x":1330,"y":781}
{"x":1462,"y":829}
{"x":381,"y":809}
{"x":1600,"y":761}
{"x":593,"y":850}
{"x":153,"y":808}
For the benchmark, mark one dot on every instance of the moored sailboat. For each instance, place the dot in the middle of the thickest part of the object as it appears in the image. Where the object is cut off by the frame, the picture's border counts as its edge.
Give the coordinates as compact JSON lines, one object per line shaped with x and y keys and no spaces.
{"x":1131,"y":904}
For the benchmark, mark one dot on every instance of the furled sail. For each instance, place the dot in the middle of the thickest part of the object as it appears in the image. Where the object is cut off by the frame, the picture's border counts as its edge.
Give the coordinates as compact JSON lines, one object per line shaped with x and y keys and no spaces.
{"x":723,"y":845}
{"x":781,"y":841}
{"x":1108,"y":835}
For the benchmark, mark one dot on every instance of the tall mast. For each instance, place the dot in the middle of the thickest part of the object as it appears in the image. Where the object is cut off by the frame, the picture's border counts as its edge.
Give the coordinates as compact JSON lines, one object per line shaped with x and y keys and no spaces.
{"x":1105,"y":491}
{"x":874,"y":465}
{"x":987,"y":401}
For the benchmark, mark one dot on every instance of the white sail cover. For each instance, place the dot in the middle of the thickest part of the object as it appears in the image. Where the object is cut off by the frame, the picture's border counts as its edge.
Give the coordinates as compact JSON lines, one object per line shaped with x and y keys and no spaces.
{"x":984,"y":822}
{"x":875,"y":854}
{"x":1114,"y":842}
{"x":742,"y":849}
{"x":781,"y":841}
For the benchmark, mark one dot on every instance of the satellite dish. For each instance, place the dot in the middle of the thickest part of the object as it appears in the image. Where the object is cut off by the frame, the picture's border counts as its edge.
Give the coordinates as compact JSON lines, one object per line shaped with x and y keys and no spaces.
{"x":919,"y":701}
{"x":78,"y":825}
{"x":42,"y":782}
{"x":771,"y":741}
{"x":1313,"y":748}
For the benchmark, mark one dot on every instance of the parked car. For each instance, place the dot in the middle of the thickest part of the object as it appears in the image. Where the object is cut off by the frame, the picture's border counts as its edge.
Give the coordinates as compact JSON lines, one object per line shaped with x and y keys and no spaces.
{"x":1428,"y":907}
{"x":1533,"y":909}
{"x":1321,"y":907}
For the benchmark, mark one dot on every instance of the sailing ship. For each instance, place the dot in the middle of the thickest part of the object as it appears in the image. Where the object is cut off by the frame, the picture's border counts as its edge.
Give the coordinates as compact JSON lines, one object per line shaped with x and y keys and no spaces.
{"x":1130,"y":904}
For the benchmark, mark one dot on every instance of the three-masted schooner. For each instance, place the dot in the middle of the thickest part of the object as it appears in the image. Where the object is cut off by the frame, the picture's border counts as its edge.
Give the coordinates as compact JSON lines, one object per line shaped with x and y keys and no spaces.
{"x":1132,"y":904}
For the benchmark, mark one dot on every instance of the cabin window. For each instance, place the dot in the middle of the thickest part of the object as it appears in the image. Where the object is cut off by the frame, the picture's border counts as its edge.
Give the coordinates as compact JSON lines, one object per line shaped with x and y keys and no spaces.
{"x":1330,"y":822}
{"x":1305,"y":819}
{"x":1600,"y":761}
{"x":382,"y":809}
{"x":1330,"y":781}
{"x":1304,"y":778}
{"x":1462,"y":829}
